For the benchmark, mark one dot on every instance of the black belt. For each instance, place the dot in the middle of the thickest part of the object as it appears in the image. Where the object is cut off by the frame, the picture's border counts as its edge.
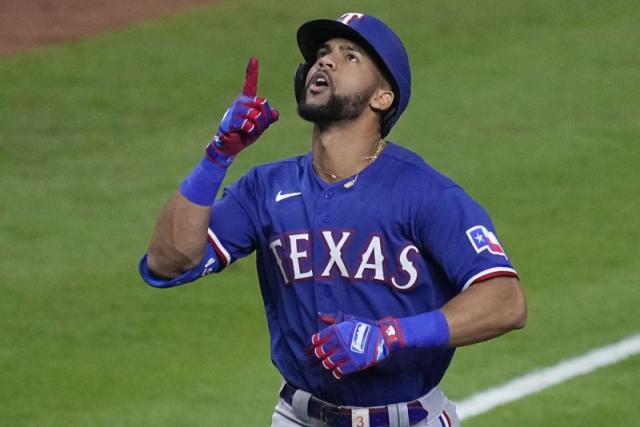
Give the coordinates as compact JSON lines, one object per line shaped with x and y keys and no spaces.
{"x":338,"y":416}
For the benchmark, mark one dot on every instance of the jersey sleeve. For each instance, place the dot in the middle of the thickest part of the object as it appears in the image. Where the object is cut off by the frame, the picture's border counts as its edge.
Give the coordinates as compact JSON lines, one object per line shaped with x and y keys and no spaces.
{"x":231,"y":235}
{"x":459,"y":235}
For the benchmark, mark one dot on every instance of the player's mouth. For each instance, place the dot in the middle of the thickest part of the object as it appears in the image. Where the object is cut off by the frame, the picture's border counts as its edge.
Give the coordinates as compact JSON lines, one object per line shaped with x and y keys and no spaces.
{"x":319,"y":82}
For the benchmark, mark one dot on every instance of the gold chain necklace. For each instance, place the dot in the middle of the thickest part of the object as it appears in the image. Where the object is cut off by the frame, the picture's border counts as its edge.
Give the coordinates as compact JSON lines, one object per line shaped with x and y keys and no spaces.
{"x":351,"y":183}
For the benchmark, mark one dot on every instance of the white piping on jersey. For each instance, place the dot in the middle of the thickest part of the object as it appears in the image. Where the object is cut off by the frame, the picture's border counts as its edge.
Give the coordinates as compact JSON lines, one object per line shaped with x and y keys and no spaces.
{"x":219,"y":245}
{"x":488,"y":271}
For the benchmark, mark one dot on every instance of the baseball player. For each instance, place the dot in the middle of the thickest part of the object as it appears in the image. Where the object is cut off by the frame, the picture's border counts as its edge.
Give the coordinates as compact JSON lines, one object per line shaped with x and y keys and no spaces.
{"x":373,"y":266}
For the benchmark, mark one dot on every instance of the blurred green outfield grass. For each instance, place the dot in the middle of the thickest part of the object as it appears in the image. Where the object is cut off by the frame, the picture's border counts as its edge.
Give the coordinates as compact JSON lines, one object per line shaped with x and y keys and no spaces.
{"x":532,"y":106}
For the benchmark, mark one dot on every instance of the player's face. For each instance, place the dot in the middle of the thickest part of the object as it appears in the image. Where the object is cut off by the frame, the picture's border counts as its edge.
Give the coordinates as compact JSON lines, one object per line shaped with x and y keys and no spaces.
{"x":340,"y":84}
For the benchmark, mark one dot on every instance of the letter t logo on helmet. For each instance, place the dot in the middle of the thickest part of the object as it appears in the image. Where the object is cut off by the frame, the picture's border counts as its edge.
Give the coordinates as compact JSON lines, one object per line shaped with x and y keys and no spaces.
{"x":381,"y":42}
{"x":347,"y":17}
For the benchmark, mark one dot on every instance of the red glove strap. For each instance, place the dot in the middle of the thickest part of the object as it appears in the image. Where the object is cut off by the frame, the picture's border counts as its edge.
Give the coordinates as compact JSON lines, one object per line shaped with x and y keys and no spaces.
{"x":392,"y":333}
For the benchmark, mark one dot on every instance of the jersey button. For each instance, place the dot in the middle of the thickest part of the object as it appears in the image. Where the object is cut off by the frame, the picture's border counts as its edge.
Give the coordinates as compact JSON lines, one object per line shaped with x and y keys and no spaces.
{"x":325,"y":219}
{"x":328,"y":194}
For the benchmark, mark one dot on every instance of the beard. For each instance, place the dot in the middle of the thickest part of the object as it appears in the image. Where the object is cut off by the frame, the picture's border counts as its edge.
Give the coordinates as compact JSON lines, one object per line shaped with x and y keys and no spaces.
{"x":337,"y":108}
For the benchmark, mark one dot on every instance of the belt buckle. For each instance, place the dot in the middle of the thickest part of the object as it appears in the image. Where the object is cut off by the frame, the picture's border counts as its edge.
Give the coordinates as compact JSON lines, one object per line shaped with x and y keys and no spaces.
{"x":329,"y":415}
{"x":340,"y":416}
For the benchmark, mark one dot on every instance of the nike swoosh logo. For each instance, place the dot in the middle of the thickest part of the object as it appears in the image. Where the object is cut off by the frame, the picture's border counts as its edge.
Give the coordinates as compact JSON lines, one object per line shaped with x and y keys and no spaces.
{"x":281,"y":196}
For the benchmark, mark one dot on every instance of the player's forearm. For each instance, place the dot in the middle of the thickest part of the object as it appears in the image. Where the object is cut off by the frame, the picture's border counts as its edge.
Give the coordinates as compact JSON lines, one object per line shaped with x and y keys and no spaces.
{"x":486,"y":310}
{"x":482,"y":312}
{"x":179,"y":237}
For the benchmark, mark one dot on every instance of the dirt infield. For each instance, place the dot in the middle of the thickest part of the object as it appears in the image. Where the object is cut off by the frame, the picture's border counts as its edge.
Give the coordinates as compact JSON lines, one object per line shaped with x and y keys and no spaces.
{"x":25,"y":24}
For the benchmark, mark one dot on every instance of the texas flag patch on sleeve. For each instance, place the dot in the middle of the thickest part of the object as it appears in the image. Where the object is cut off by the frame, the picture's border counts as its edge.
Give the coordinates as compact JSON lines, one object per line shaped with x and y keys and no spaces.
{"x":484,"y":240}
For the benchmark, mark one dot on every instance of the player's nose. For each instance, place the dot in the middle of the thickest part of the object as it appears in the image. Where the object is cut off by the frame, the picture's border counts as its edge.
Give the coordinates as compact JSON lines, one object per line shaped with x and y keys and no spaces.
{"x":326,"y":62}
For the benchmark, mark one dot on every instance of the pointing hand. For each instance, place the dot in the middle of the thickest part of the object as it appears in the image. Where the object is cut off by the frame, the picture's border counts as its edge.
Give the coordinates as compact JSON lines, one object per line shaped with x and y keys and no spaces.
{"x":245,"y":120}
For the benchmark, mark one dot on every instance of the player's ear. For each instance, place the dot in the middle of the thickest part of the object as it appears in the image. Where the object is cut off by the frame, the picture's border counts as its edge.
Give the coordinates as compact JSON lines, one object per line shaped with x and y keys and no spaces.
{"x":382,"y":99}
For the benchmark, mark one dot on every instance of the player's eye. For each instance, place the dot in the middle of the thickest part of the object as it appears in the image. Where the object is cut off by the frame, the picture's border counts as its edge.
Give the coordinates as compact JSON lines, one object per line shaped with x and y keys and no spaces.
{"x":321,"y":52}
{"x":352,"y":58}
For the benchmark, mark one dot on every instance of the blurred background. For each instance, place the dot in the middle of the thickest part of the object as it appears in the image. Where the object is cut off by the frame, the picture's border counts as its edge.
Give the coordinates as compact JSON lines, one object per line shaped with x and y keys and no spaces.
{"x":532,"y":106}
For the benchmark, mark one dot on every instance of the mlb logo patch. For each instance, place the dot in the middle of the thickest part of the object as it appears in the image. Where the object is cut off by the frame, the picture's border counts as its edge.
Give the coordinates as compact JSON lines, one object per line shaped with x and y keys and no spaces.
{"x":360,"y":334}
{"x":484,"y":240}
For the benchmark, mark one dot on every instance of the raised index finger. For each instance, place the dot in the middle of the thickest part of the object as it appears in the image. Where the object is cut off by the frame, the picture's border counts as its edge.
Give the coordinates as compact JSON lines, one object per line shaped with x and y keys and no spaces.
{"x":250,"y":87}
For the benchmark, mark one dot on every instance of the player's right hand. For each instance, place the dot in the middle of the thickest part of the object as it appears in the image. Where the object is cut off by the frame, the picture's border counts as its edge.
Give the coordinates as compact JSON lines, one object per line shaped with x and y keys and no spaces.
{"x":245,"y":120}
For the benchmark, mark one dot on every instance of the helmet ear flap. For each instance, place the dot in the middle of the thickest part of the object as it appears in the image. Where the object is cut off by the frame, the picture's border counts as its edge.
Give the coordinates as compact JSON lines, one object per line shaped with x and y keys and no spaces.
{"x":300,"y":79}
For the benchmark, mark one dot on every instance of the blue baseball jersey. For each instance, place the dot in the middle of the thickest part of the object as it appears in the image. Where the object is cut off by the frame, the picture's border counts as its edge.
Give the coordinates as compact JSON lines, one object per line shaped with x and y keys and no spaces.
{"x":402,"y":240}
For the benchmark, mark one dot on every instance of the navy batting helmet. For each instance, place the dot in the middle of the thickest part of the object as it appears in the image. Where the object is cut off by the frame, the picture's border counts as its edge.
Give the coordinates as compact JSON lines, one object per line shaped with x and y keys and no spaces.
{"x":372,"y":34}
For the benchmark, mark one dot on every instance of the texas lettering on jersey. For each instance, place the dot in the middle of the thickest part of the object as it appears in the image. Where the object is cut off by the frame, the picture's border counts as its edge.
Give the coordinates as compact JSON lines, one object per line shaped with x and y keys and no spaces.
{"x":295,"y":261}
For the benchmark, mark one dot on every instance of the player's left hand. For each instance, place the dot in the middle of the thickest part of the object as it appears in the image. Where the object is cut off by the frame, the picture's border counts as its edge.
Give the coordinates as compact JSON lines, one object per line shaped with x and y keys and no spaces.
{"x":352,"y":344}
